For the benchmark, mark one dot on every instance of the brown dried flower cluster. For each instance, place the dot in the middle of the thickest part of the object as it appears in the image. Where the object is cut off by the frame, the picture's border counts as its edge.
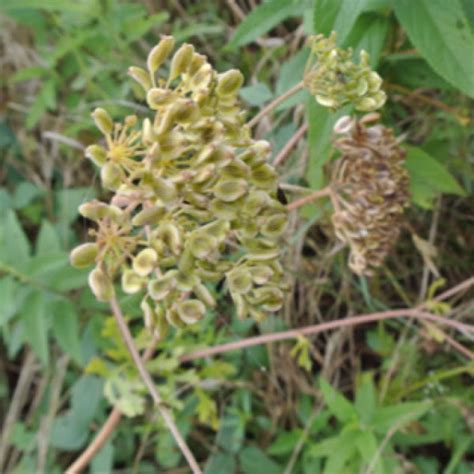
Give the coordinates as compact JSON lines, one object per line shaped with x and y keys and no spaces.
{"x":194,"y":198}
{"x":371,"y":190}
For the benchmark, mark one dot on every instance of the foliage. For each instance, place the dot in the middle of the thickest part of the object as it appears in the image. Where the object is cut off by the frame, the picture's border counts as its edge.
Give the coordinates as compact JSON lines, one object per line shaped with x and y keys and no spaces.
{"x":389,"y":397}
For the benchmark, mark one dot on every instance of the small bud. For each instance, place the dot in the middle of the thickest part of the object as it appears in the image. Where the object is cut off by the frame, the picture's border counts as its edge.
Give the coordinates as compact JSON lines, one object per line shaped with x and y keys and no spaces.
{"x":141,"y":76}
{"x":241,"y":307}
{"x":103,"y":121}
{"x":96,"y":154}
{"x":101,"y":285}
{"x":149,"y":216}
{"x":131,"y":282}
{"x":181,"y":61}
{"x":84,"y":255}
{"x":165,"y":190}
{"x":190,"y":311}
{"x":144,"y":263}
{"x":160,"y":53}
{"x":96,"y":210}
{"x":186,"y":111}
{"x":147,"y":132}
{"x":111,"y":176}
{"x":229,"y":82}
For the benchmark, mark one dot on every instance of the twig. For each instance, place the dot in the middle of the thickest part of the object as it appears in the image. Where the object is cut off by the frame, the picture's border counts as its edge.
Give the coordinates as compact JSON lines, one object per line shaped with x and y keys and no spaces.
{"x":165,"y":413}
{"x":275,"y":103}
{"x":327,"y":326}
{"x":289,"y":146}
{"x":307,"y":199}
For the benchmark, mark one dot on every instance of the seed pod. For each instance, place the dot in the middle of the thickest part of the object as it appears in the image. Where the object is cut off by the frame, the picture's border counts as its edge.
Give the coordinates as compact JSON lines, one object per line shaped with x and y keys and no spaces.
{"x":103,"y":121}
{"x":144,"y":263}
{"x":264,"y":176}
{"x":190,"y":311}
{"x":84,"y":255}
{"x":274,"y":226}
{"x":96,"y":210}
{"x":97,"y":154}
{"x":186,"y":111}
{"x":181,"y":61}
{"x":131,"y":282}
{"x":229,"y":190}
{"x":204,"y":295}
{"x":202,"y":246}
{"x":171,"y":236}
{"x":160,"y":288}
{"x":165,"y":190}
{"x":229,"y":82}
{"x":173,"y":319}
{"x":149,"y":216}
{"x":186,"y":281}
{"x":101,"y":285}
{"x":367,"y":104}
{"x":157,"y":98}
{"x":261,"y":274}
{"x":160,"y":53}
{"x":111,"y":176}
{"x":241,"y":307}
{"x":141,"y":76}
{"x":239,"y":281}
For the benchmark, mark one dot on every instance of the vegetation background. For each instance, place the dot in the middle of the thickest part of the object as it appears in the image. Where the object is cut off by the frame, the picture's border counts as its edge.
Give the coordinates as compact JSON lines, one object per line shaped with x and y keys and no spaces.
{"x":391,"y":397}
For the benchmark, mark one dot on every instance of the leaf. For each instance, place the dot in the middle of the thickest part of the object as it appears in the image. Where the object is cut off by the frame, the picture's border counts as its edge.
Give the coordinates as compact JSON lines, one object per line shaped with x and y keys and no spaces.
{"x":366,"y":444}
{"x":441,"y":32}
{"x":366,"y":398}
{"x":103,"y":461}
{"x":257,"y":94}
{"x":24,"y":193}
{"x":399,"y":415}
{"x":263,"y":18}
{"x":336,"y":15}
{"x":221,"y":463}
{"x":65,"y":324}
{"x":285,"y":442}
{"x":428,"y":178}
{"x":34,"y":316}
{"x":124,"y":395}
{"x":253,"y":460}
{"x":48,"y":239}
{"x":14,"y":245}
{"x":10,"y":302}
{"x":337,"y":404}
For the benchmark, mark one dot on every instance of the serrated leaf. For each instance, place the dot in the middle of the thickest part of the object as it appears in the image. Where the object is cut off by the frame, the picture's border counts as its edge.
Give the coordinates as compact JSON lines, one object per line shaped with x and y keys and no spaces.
{"x":263,"y":18}
{"x":337,"y":404}
{"x":441,"y":32}
{"x":336,"y":15}
{"x":389,"y":416}
{"x":65,"y":325}
{"x":428,"y":178}
{"x":35,"y":319}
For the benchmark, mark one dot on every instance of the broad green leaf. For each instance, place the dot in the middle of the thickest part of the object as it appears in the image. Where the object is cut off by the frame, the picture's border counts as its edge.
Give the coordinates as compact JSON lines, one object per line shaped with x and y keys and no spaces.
{"x":221,"y":463}
{"x":14,"y":245}
{"x":336,"y":15}
{"x":48,"y":239}
{"x":103,"y":461}
{"x":263,"y":18}
{"x":367,"y":445}
{"x":428,"y":178}
{"x":24,"y":193}
{"x":369,"y":34}
{"x":337,"y":404}
{"x":257,"y":94}
{"x":441,"y":32}
{"x":253,"y":460}
{"x":65,"y":326}
{"x":34,"y":315}
{"x":343,"y":451}
{"x":285,"y":442}
{"x":10,"y":302}
{"x":399,"y":415}
{"x":231,"y":433}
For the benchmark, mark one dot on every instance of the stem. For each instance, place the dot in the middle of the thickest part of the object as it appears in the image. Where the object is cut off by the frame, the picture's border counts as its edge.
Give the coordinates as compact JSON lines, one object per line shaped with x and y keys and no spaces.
{"x":165,"y":413}
{"x":289,"y":146}
{"x":315,"y":329}
{"x":275,"y":103}
{"x":307,"y":199}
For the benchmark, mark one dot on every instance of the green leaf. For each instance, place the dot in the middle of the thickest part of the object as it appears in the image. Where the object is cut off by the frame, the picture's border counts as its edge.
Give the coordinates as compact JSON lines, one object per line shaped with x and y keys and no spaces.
{"x":65,"y":326}
{"x":399,"y":415}
{"x":263,"y":18}
{"x":285,"y":442}
{"x":367,"y":445}
{"x":336,"y":15}
{"x":36,"y":324}
{"x":441,"y":32}
{"x":428,"y":178}
{"x":253,"y":460}
{"x":256,"y":94}
{"x":221,"y":463}
{"x":24,"y":193}
{"x":14,"y":245}
{"x":10,"y":302}
{"x":48,"y":239}
{"x":366,"y":398}
{"x":337,"y":404}
{"x":103,"y":461}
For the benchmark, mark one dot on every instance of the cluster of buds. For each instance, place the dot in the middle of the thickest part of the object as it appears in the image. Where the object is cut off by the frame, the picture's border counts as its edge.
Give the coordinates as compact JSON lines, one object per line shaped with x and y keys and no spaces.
{"x":334,"y":79}
{"x":194,"y":199}
{"x":370,"y":187}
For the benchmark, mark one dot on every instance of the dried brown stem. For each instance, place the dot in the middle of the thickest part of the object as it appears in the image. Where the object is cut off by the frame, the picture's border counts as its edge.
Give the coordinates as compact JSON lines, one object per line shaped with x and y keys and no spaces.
{"x":275,"y":103}
{"x":289,"y":146}
{"x":315,"y":329}
{"x":310,"y":198}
